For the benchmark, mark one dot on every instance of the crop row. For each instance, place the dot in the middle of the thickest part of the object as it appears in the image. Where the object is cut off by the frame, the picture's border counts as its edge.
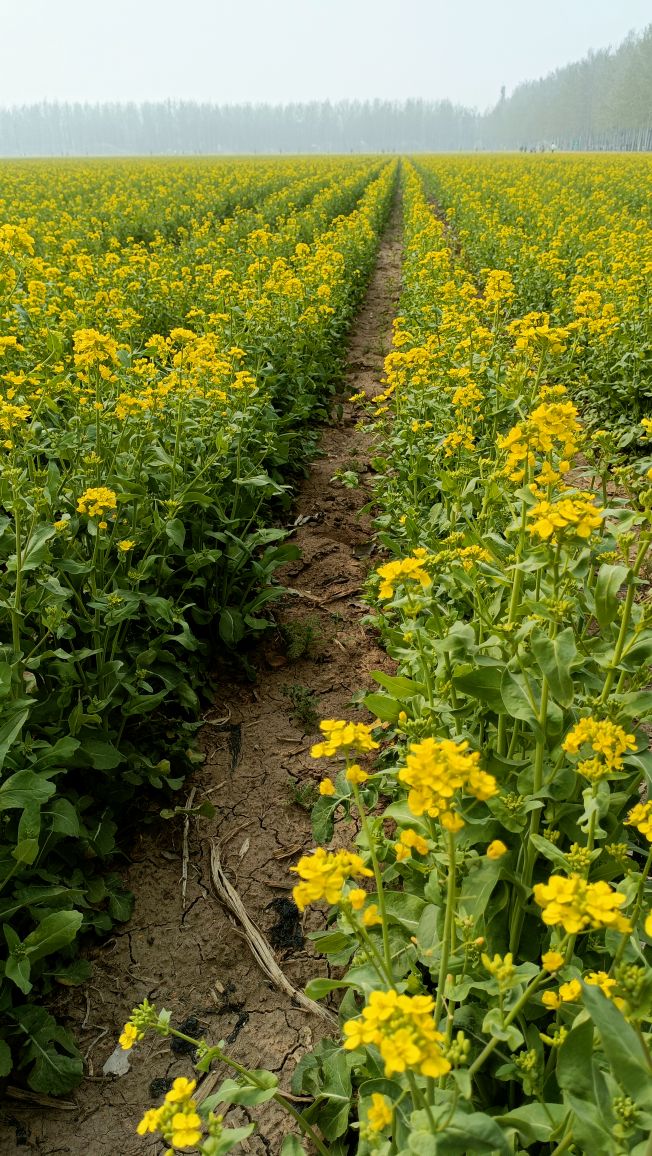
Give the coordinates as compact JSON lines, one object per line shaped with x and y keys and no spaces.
{"x":575,"y":236}
{"x":157,"y":398}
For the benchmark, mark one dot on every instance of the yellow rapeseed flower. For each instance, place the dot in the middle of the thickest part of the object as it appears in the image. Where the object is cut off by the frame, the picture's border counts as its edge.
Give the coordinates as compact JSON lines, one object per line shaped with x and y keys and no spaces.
{"x":324,"y":874}
{"x":379,"y":1115}
{"x":341,"y":737}
{"x":402,"y":1027}
{"x":577,"y":906}
{"x":497,"y":849}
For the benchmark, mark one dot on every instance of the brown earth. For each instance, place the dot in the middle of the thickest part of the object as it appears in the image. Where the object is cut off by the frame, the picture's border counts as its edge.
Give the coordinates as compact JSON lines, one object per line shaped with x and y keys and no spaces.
{"x":193,"y":959}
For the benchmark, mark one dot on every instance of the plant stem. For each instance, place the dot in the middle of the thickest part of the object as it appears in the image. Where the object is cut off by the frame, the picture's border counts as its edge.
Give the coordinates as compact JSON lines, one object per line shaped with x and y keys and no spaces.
{"x":449,"y":927}
{"x":371,"y":843}
{"x":624,"y":624}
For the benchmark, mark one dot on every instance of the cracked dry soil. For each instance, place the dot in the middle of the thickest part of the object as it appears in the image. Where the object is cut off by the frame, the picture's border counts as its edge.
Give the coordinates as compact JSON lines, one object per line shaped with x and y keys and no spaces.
{"x":259,"y":774}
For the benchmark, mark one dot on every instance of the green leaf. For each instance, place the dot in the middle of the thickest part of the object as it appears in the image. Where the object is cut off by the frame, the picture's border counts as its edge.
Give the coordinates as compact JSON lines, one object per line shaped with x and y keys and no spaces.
{"x":405,"y":908}
{"x":231,"y":626}
{"x":387,"y":709}
{"x":492,"y":1025}
{"x":55,"y":1063}
{"x":176,"y":532}
{"x":320,"y":987}
{"x":292,"y":1146}
{"x":620,"y":1045}
{"x":534,"y":1122}
{"x":8,"y":733}
{"x":573,"y":1061}
{"x":103,"y":755}
{"x":36,"y":550}
{"x":18,"y":970}
{"x":483,"y":683}
{"x":322,"y":818}
{"x":5,"y":1059}
{"x":464,"y":1133}
{"x":54,"y":932}
{"x":5,"y":679}
{"x":550,"y":852}
{"x":23,"y":789}
{"x":516,"y":699}
{"x":234,"y":1092}
{"x":555,"y":656}
{"x":397,"y":685}
{"x":230,"y":1137}
{"x":609,"y":581}
{"x":63,"y":816}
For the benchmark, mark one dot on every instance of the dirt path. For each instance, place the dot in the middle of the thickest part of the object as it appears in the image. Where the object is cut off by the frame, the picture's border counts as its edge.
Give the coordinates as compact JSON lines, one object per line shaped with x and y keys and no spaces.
{"x":259,"y":774}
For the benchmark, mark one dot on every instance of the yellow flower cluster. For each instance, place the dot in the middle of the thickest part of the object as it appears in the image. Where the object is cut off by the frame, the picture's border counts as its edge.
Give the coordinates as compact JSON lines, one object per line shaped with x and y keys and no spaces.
{"x":324,"y":874}
{"x":177,"y":1119}
{"x":393,"y":574}
{"x":380,"y":1114}
{"x":575,"y":516}
{"x":435,"y":771}
{"x":609,"y":742}
{"x":97,"y":502}
{"x":402,"y":1027}
{"x":343,"y":737}
{"x":409,"y":841}
{"x":551,"y":428}
{"x":577,"y":906}
{"x":640,"y":817}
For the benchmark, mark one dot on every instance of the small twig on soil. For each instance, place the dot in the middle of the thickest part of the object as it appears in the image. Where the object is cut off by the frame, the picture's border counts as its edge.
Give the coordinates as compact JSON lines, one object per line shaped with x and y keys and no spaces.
{"x":87,"y":1053}
{"x":342,"y":594}
{"x":302,"y":594}
{"x":287,"y":854}
{"x":217,"y":722}
{"x":88,"y":1012}
{"x":259,"y":946}
{"x":42,"y":1101}
{"x":232,"y":834}
{"x":184,"y":860}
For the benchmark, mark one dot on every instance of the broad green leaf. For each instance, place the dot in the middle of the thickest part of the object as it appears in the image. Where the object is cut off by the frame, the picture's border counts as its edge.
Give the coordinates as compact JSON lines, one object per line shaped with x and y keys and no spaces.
{"x":320,"y":987}
{"x":230,"y":1137}
{"x":397,"y":685}
{"x":18,"y":970}
{"x":534,"y":1122}
{"x":322,"y":818}
{"x":5,"y":1059}
{"x":231,"y":626}
{"x":235,"y":1092}
{"x":609,"y":581}
{"x":55,"y":1065}
{"x":23,"y":789}
{"x":483,"y":683}
{"x":8,"y":733}
{"x":387,"y":709}
{"x":54,"y":932}
{"x":621,"y":1046}
{"x":406,"y":908}
{"x":176,"y":532}
{"x":516,"y":698}
{"x":555,"y":657}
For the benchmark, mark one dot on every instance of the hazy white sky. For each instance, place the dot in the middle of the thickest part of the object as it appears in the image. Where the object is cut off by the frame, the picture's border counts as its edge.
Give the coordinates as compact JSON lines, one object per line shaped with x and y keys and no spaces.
{"x":284,"y":50}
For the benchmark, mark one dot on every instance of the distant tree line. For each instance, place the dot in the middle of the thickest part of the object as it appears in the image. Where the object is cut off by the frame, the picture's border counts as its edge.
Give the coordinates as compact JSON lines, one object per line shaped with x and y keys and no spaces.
{"x":601,"y":102}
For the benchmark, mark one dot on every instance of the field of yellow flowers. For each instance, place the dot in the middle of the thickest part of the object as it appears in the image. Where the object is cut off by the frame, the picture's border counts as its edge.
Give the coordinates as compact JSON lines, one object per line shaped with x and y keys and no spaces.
{"x":491,"y":924}
{"x":163,"y":363}
{"x":170,"y":335}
